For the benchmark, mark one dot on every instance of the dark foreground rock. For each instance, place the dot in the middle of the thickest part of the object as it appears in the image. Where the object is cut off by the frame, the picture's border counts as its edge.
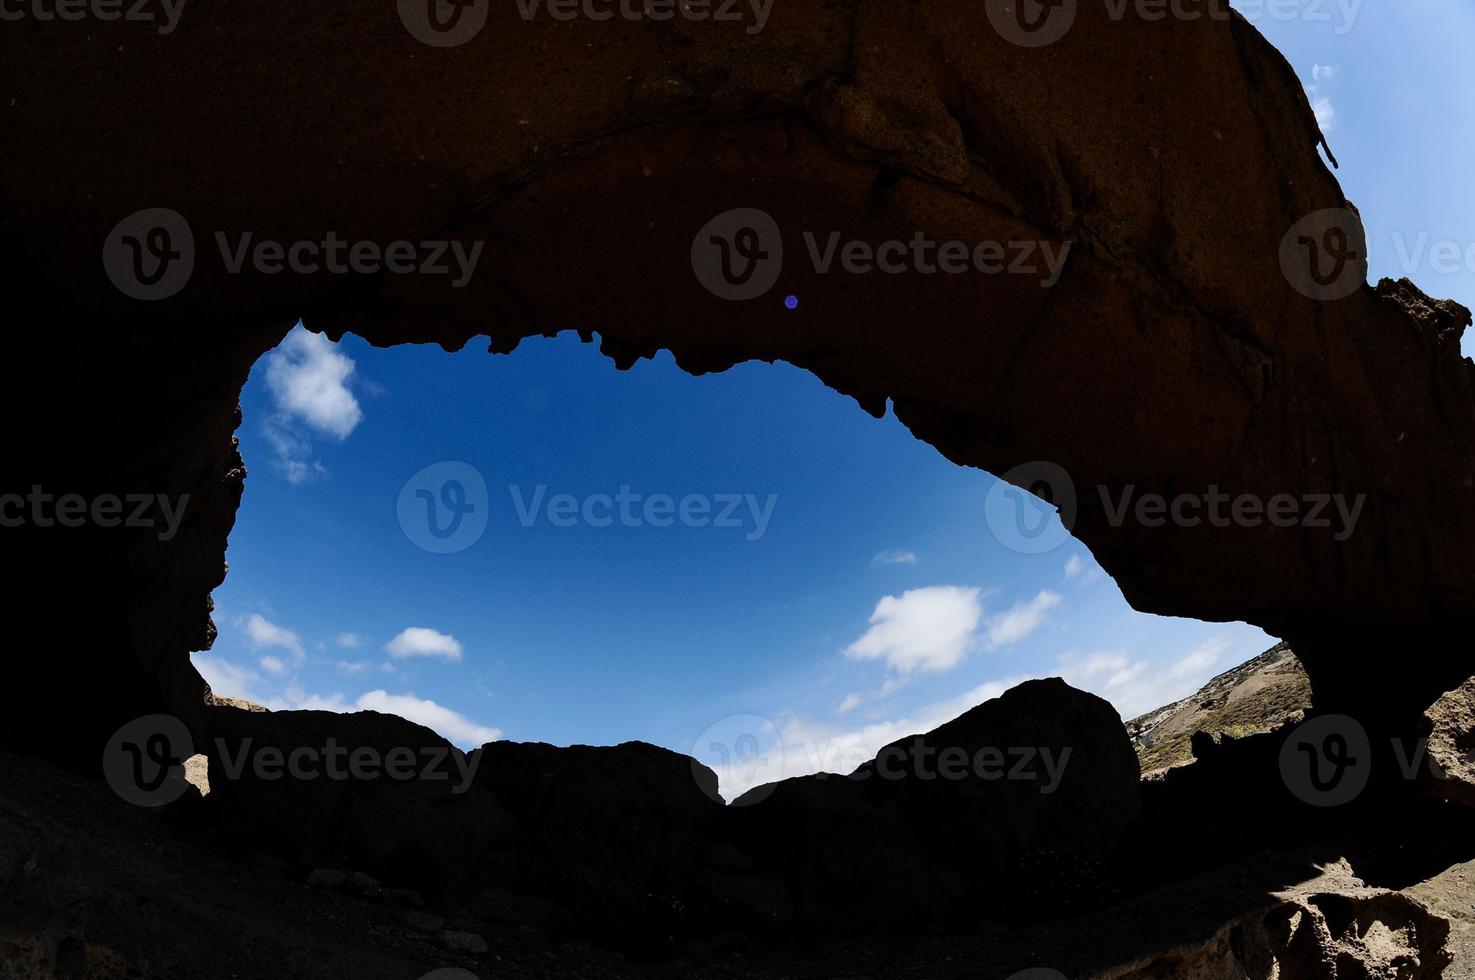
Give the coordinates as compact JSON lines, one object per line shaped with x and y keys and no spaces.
{"x":1017,"y":806}
{"x":376,"y":794}
{"x":74,"y":860}
{"x":613,"y":837}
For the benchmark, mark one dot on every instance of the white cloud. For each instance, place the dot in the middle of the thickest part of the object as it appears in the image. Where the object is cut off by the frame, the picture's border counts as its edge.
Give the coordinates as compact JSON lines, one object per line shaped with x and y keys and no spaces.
{"x":894,"y":558}
{"x":929,"y":629}
{"x":273,"y":665}
{"x":455,"y":727}
{"x":306,"y":376}
{"x":225,"y":678}
{"x":349,"y":641}
{"x":263,"y":633}
{"x":1321,"y":104}
{"x":1020,"y":621}
{"x":1326,"y":114}
{"x":1135,"y":687}
{"x":420,"y":641}
{"x":850,"y":703}
{"x":1074,"y":566}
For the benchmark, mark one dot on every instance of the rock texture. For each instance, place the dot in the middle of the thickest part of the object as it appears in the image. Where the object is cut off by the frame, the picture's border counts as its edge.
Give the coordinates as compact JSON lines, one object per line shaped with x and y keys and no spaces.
{"x":1450,"y":734}
{"x":93,"y":888}
{"x":1172,"y":355}
{"x":1329,"y":936}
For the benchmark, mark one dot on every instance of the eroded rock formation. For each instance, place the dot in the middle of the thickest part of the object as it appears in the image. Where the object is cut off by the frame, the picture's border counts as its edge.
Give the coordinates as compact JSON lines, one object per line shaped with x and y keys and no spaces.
{"x":1354,"y":934}
{"x":1172,"y":354}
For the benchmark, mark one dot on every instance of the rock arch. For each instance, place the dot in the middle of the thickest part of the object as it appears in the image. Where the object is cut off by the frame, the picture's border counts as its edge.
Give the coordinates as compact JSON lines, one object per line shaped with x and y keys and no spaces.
{"x":1172,"y":354}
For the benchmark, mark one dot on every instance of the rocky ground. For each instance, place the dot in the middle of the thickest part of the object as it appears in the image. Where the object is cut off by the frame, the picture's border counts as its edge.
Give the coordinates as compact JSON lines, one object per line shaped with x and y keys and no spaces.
{"x":1219,"y":883}
{"x":76,"y":865}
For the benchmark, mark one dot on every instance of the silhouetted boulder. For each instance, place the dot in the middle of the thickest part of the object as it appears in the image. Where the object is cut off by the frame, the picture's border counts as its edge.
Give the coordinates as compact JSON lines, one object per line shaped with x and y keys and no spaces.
{"x":614,"y":836}
{"x":370,"y":792}
{"x":1025,"y":796}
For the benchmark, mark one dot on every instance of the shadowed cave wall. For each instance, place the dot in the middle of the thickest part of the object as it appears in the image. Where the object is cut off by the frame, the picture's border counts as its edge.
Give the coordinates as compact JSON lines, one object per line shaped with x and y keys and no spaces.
{"x":1173,"y":355}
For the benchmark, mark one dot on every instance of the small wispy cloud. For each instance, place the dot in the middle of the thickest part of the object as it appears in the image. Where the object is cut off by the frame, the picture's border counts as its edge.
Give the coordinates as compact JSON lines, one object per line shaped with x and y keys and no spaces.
{"x":894,"y":558}
{"x":262,"y":633}
{"x":1021,"y":620}
{"x":1321,"y":103}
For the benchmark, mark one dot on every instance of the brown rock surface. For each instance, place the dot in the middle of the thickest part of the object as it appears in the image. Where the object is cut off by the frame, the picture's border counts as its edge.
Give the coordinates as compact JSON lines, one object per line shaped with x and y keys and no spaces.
{"x":1172,"y":355}
{"x":1451,"y":744}
{"x":1350,"y":932}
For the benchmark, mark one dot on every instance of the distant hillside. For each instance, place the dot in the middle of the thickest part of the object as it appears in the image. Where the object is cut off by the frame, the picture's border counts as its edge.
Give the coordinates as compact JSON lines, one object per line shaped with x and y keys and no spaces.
{"x":1257,"y":696}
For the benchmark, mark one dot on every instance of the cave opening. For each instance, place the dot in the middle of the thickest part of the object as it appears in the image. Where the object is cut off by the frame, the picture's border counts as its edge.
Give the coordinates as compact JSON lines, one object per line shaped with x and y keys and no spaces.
{"x":738,"y":566}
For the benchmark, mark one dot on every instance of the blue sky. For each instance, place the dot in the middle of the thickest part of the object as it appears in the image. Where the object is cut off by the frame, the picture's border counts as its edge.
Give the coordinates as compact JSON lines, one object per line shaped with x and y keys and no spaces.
{"x":859,"y":594}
